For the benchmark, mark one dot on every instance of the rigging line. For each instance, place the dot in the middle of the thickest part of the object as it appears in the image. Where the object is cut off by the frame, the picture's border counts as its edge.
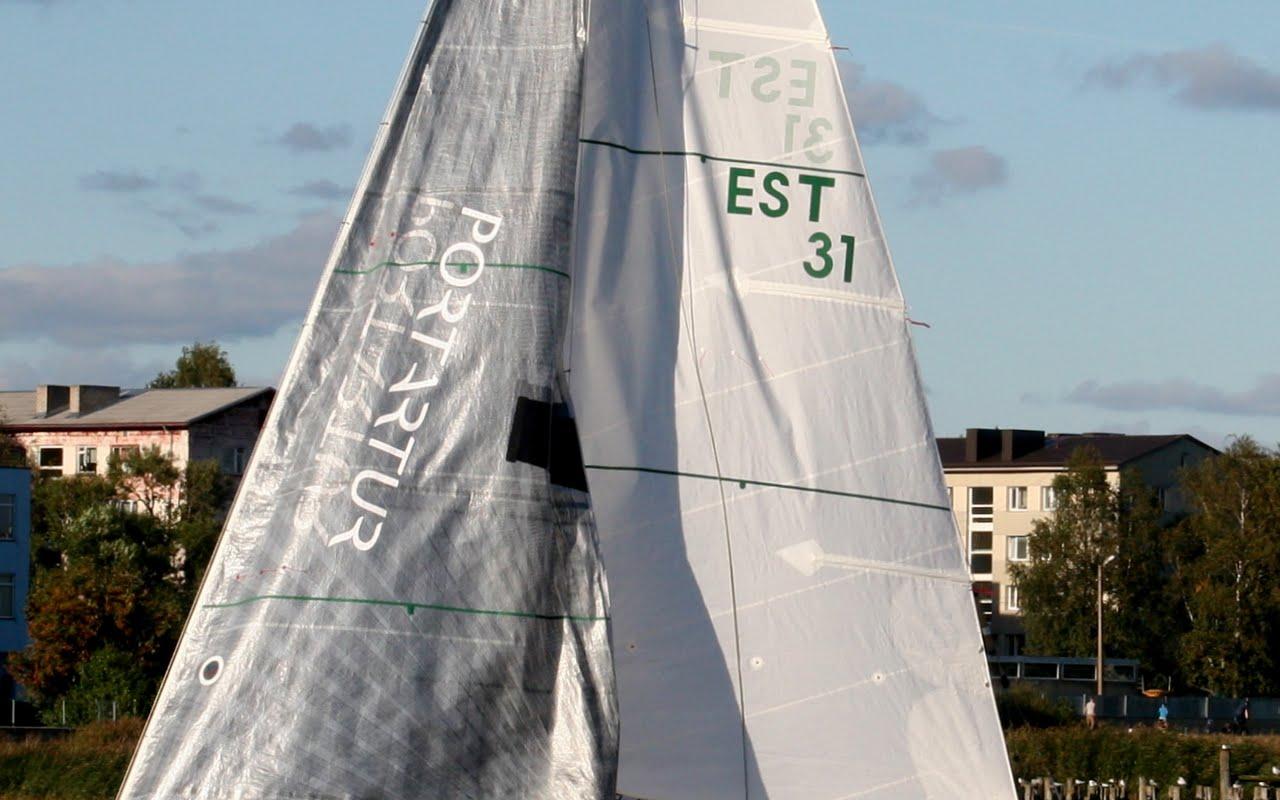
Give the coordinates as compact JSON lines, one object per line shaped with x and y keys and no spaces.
{"x":461,"y":267}
{"x":745,"y":482}
{"x":722,"y":159}
{"x":690,"y":325}
{"x":407,"y":605}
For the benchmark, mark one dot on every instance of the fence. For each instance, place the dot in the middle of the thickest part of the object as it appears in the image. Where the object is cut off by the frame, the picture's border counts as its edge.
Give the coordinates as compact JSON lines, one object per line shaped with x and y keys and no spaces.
{"x":1145,"y":790}
{"x":1245,"y":788}
{"x":1206,"y":714}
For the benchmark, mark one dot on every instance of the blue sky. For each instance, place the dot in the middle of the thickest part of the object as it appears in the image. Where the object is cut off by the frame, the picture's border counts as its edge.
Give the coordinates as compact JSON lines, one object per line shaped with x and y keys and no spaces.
{"x":1079,"y":197}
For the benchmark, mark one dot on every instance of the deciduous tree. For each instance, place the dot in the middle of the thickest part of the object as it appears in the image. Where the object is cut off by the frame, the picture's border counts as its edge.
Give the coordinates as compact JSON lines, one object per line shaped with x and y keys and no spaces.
{"x":1097,"y":520}
{"x":110,"y":581}
{"x":1228,"y":572}
{"x":200,"y":365}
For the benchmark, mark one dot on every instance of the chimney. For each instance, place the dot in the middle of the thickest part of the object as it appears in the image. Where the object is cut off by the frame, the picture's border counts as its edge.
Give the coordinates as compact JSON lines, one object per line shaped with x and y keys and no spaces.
{"x":1016,"y":444}
{"x":51,"y":399}
{"x":980,"y":443}
{"x":88,"y":399}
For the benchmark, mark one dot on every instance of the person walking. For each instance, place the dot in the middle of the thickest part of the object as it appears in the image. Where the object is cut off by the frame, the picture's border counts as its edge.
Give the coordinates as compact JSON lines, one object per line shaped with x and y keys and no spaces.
{"x":1163,"y":716}
{"x":1091,"y":713}
{"x":1242,"y":718}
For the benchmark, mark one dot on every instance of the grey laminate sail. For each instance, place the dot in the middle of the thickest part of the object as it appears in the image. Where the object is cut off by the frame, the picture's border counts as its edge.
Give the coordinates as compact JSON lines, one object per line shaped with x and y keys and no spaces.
{"x":407,"y":600}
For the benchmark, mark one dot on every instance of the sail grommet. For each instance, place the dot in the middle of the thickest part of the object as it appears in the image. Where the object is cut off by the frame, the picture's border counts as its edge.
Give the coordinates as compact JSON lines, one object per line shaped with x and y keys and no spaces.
{"x":632,"y":647}
{"x":757,"y":663}
{"x":210,"y":671}
{"x":878,"y":677}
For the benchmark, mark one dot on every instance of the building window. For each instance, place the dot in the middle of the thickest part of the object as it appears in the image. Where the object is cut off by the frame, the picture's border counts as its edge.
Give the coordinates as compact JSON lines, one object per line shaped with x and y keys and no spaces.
{"x":51,"y":460}
{"x":984,"y":598}
{"x":7,"y":588}
{"x":1048,"y":498}
{"x":1017,"y":498}
{"x":981,"y":508}
{"x":8,"y":510}
{"x":1019,"y":548}
{"x":120,"y":452}
{"x":981,"y":505}
{"x":1012,"y":598}
{"x":86,"y":459}
{"x":236,"y":459}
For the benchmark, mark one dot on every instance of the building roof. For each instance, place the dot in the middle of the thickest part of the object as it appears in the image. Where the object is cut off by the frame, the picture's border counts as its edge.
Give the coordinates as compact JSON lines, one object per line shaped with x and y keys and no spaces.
{"x":1114,"y":449}
{"x":147,"y":408}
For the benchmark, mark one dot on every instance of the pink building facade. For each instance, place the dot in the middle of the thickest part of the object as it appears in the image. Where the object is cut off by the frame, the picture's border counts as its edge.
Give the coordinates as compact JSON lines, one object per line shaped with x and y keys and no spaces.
{"x":74,"y":430}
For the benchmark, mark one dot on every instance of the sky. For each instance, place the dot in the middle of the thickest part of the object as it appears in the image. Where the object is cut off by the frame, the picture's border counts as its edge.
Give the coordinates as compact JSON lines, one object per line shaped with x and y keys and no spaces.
{"x":1080,"y":197}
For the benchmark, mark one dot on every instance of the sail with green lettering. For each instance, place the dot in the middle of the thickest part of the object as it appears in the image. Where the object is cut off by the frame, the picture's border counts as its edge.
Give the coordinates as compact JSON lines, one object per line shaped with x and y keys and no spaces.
{"x":407,"y":600}
{"x":792,"y":612}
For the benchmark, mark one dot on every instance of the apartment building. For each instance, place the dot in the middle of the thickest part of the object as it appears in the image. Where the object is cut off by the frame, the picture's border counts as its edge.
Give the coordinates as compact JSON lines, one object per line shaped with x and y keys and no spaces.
{"x":73,"y":430}
{"x":1001,"y":481}
{"x":15,"y":572}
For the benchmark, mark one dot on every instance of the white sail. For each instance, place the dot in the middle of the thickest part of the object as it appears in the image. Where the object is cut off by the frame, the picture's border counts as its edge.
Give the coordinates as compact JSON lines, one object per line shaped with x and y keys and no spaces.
{"x":792,"y":614}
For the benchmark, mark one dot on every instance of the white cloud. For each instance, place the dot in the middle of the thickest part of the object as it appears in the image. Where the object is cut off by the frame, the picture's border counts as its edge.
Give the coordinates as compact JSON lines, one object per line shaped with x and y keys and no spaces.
{"x":222,"y":294}
{"x":1263,"y":399}
{"x":321,"y":190}
{"x":962,"y":170}
{"x":884,"y":111}
{"x":1208,"y":78}
{"x":305,"y":137}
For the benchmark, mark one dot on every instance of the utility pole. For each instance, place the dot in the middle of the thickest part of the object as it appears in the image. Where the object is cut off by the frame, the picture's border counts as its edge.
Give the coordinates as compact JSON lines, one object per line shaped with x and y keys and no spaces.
{"x":1098,"y":668}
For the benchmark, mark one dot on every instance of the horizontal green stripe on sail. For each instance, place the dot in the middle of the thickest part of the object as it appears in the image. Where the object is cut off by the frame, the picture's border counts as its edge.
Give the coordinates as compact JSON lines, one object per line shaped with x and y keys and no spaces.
{"x":407,"y":605}
{"x":722,"y":159}
{"x":461,"y":267}
{"x":745,"y":482}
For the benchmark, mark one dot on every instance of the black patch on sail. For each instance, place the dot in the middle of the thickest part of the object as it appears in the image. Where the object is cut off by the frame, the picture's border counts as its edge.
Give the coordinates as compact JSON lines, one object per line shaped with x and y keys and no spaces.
{"x":544,"y":435}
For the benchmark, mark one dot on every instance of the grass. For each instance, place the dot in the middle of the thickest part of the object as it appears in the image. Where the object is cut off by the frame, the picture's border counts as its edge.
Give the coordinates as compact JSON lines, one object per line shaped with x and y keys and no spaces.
{"x":87,"y":765}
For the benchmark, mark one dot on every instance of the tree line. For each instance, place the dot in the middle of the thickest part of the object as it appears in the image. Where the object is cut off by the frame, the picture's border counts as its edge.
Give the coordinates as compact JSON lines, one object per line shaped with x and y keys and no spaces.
{"x":1195,"y":598}
{"x":115,"y":563}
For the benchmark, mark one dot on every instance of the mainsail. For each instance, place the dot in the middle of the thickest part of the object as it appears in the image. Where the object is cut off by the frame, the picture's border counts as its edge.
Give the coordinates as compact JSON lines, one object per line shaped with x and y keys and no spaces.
{"x":407,"y":600}
{"x":792,"y":613}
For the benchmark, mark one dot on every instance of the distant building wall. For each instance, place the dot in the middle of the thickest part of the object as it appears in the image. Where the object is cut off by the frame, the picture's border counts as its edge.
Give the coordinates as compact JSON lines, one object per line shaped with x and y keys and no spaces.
{"x":1162,"y":470}
{"x":998,"y":491}
{"x":228,"y":438}
{"x":74,"y":443}
{"x":15,"y":558}
{"x":1002,"y":542}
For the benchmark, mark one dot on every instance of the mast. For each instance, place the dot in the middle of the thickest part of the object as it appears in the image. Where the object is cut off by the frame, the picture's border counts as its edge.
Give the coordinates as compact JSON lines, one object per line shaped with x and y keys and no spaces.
{"x":793,"y":618}
{"x":407,"y":600}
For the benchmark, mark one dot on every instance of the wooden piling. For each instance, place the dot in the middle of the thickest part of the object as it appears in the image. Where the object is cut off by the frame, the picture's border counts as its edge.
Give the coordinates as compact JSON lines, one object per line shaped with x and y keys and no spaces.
{"x":1224,"y":772}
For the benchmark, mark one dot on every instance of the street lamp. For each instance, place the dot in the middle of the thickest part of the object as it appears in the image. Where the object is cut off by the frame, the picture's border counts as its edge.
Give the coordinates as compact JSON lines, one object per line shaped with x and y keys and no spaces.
{"x":1101,"y":564}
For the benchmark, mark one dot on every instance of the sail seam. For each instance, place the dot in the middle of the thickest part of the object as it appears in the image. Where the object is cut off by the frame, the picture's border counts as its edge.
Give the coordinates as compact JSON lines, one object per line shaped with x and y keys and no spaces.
{"x":744,"y":482}
{"x":461,"y":267}
{"x":723,"y":159}
{"x":409,"y":606}
{"x":747,"y":29}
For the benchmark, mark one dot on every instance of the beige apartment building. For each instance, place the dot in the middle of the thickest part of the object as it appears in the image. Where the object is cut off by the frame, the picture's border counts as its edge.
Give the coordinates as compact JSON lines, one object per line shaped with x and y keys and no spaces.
{"x":74,"y":430}
{"x":1001,"y":481}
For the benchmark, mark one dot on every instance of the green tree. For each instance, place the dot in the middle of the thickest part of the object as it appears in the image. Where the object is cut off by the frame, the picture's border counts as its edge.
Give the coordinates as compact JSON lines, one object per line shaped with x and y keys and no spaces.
{"x":1141,"y":616}
{"x":147,"y":477}
{"x":206,"y":494}
{"x":1098,"y":522}
{"x":1228,"y":572}
{"x":12,"y":453}
{"x":200,"y":365}
{"x":1058,"y":584}
{"x":109,"y":581}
